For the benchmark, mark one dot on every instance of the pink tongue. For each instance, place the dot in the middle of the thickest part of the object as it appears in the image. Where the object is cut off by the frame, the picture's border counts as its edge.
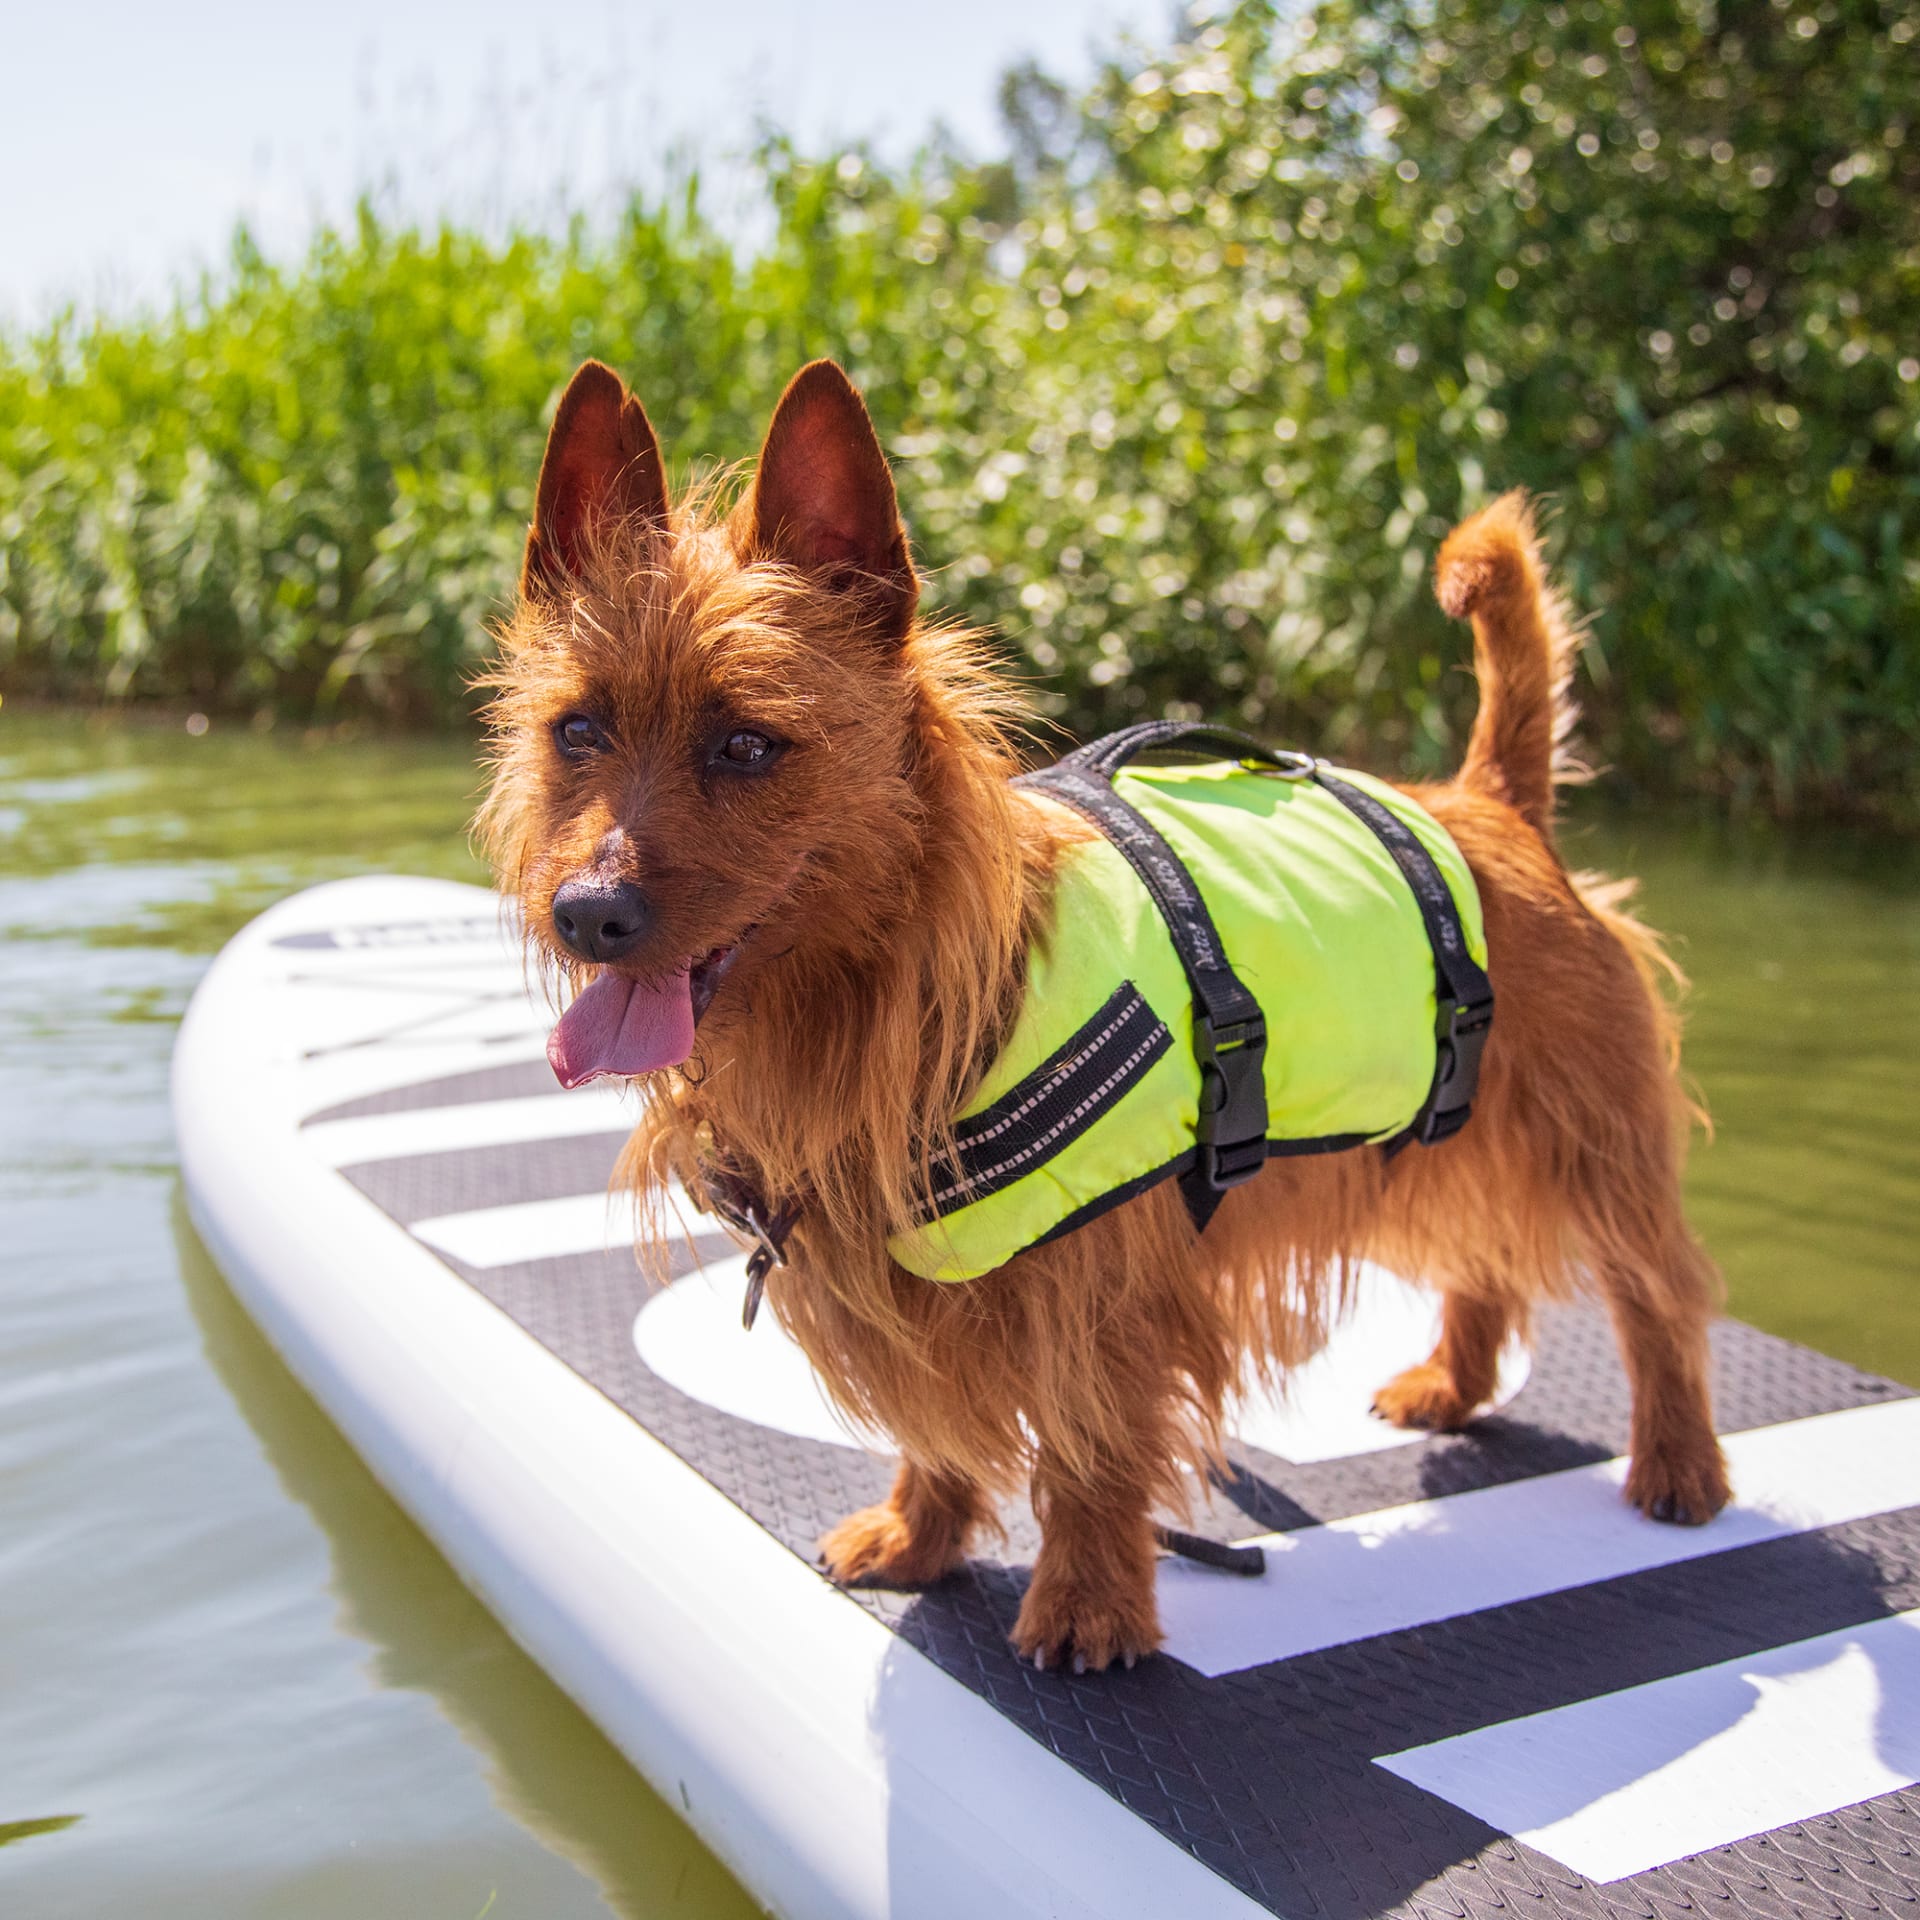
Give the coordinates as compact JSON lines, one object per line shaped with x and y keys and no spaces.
{"x":619,"y":1026}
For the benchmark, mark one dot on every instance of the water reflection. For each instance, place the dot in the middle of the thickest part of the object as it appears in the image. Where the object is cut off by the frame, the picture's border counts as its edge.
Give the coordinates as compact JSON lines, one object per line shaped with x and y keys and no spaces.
{"x":12,"y":1830}
{"x":548,"y":1766}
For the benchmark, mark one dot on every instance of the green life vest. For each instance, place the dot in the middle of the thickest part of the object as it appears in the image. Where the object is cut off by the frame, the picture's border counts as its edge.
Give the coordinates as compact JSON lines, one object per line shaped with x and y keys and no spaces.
{"x":1328,"y":898}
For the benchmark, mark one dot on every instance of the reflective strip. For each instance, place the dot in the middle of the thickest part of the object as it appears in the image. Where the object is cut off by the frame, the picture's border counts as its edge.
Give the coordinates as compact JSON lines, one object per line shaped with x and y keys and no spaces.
{"x":1055,"y":1104}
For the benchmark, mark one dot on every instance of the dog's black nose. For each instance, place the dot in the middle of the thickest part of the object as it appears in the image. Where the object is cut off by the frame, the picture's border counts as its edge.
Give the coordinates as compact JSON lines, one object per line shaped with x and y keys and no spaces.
{"x":599,"y":919}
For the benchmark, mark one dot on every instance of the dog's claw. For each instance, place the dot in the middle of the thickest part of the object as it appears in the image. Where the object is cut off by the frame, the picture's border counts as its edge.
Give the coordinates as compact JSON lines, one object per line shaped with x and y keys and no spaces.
{"x":1128,"y":1658}
{"x":1040,"y":1659}
{"x":1079,"y":1663}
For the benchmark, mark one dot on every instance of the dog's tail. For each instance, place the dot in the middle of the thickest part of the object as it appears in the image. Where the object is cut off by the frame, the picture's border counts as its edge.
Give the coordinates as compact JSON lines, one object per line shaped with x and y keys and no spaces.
{"x":1524,"y":645}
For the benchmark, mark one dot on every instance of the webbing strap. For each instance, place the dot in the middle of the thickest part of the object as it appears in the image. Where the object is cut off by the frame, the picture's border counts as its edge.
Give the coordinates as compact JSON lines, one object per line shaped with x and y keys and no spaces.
{"x":1460,"y":973}
{"x":1193,"y":737}
{"x":1053,"y":1105}
{"x":1229,"y":1030}
{"x":1196,"y":939}
{"x":1463,"y":995}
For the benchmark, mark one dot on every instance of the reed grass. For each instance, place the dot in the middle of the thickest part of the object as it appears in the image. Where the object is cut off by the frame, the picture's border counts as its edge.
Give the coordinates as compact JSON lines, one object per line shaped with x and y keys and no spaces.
{"x":1182,"y":394}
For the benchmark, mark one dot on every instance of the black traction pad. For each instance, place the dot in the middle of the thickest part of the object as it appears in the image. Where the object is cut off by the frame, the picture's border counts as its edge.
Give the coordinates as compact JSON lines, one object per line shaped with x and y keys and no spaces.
{"x":1269,"y":1775}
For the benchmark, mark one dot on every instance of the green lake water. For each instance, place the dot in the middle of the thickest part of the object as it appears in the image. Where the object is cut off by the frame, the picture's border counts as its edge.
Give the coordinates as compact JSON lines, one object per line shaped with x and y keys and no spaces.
{"x":234,"y":1679}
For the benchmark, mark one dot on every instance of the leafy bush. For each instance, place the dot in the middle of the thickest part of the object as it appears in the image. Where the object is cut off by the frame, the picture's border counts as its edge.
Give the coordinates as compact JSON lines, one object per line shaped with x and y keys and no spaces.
{"x":1182,"y":395}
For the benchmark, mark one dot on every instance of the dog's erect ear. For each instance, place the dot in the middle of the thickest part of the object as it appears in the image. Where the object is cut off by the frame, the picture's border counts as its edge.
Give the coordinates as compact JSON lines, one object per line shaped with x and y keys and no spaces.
{"x":823,"y":498}
{"x":602,"y":466}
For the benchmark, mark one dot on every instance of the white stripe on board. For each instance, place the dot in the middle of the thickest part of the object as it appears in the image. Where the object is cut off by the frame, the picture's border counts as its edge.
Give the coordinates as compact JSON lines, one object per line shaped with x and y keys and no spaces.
{"x":480,"y":1123}
{"x":1654,"y":1773}
{"x":534,"y":1229}
{"x":547,"y":1229}
{"x":1435,"y":1559}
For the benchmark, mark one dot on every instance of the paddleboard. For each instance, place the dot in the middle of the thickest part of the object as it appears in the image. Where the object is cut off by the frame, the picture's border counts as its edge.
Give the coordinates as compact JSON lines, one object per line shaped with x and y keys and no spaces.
{"x":1470,"y":1680}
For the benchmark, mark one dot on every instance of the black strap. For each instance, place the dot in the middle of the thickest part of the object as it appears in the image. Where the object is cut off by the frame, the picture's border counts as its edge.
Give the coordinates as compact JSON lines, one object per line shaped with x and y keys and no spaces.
{"x":1463,"y":995}
{"x":1248,"y":1561}
{"x":1229,"y":1029}
{"x":1055,"y":1104}
{"x":1193,"y":737}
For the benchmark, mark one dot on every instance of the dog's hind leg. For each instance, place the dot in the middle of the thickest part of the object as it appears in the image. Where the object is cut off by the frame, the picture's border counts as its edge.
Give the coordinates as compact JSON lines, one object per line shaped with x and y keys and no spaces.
{"x":912,"y":1538}
{"x":1445,"y":1390}
{"x":1661,"y":1291}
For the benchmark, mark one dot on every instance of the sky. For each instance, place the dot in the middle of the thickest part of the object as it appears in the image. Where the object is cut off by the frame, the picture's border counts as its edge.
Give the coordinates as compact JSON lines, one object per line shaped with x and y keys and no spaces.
{"x":133,"y":136}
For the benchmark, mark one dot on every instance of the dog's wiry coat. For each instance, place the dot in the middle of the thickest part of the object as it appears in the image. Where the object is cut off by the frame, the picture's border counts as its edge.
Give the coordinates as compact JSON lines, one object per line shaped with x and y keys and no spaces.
{"x":893,"y":882}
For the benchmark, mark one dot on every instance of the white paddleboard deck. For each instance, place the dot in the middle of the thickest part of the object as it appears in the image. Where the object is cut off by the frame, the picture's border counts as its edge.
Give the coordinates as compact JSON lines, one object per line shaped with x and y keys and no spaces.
{"x":1469,"y":1680}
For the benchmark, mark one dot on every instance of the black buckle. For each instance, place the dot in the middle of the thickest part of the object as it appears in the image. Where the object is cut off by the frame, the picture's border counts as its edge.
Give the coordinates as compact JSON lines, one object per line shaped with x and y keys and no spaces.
{"x":1232,"y":1123}
{"x":1462,"y":1040}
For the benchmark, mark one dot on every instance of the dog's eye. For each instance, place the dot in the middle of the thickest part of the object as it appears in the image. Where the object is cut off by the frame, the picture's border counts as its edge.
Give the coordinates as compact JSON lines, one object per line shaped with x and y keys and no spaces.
{"x":745,"y":748}
{"x":578,"y":735}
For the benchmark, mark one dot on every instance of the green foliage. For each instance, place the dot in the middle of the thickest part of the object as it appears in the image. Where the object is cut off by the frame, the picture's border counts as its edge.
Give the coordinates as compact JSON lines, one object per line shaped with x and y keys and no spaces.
{"x":1182,"y":396}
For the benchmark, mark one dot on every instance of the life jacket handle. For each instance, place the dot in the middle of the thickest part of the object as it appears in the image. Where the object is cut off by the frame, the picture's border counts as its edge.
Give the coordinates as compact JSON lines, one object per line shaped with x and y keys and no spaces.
{"x":1196,"y":738}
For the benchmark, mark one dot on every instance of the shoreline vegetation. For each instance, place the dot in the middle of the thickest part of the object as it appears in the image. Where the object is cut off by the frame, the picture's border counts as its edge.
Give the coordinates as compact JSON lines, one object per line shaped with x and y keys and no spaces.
{"x":1182,"y":395}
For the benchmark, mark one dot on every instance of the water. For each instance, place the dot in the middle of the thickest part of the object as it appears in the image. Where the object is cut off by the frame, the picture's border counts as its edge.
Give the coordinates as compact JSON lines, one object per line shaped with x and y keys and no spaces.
{"x":234,"y":1680}
{"x":228,"y":1662}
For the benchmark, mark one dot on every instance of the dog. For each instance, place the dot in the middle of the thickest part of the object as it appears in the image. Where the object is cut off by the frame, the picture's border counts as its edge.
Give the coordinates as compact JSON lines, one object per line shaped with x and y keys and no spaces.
{"x":757,"y":813}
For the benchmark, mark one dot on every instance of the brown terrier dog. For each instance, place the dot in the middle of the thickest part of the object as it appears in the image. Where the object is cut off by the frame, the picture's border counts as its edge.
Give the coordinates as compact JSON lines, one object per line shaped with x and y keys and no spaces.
{"x":737,"y":783}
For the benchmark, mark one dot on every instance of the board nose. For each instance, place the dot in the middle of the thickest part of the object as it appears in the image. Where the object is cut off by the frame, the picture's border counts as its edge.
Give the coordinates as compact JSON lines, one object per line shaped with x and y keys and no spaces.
{"x":601,"y":920}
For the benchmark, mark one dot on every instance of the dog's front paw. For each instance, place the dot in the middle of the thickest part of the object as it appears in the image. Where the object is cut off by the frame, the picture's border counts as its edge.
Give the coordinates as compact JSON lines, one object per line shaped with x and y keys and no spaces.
{"x":1424,"y":1396}
{"x":1062,"y":1625}
{"x":877,"y":1548}
{"x":1685,"y":1486}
